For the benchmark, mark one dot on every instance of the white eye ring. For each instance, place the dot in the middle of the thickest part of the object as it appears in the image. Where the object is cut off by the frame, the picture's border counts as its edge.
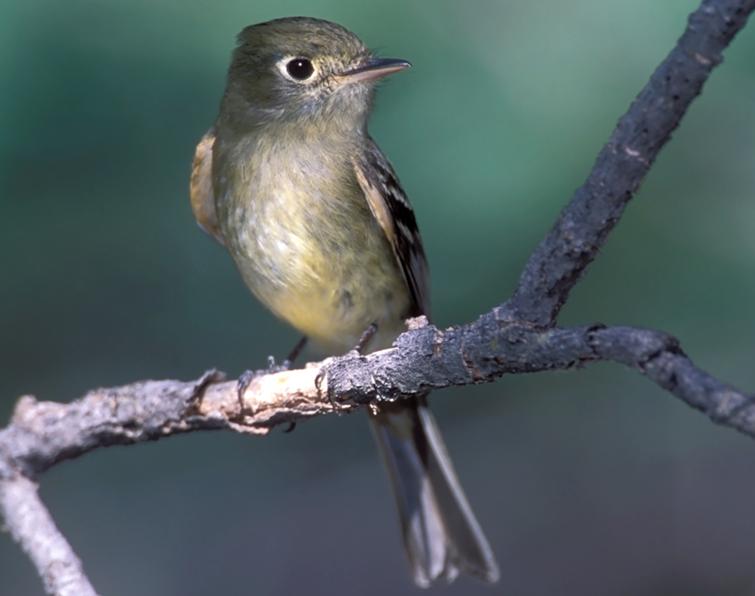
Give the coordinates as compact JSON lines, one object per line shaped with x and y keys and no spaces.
{"x":298,"y":69}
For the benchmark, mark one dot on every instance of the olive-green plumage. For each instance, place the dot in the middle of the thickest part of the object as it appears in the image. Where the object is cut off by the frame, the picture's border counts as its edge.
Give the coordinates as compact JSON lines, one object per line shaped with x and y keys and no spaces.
{"x":312,"y":213}
{"x":322,"y":262}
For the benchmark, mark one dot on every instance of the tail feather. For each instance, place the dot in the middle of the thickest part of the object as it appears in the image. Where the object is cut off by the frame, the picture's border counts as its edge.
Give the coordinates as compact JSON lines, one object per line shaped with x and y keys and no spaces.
{"x":440,"y":532}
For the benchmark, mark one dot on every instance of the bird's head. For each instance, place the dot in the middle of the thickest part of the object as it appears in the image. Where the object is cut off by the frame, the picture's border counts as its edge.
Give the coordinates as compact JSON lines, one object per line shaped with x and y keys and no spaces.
{"x":303,"y":70}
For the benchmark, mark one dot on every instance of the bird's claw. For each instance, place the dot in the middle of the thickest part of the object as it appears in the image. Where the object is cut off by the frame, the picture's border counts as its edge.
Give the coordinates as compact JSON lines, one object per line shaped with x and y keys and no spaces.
{"x":273,"y":367}
{"x":318,"y":385}
{"x":246,"y":378}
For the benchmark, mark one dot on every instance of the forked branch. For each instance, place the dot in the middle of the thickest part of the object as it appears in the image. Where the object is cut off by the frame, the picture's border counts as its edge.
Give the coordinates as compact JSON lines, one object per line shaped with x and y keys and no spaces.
{"x":516,"y":337}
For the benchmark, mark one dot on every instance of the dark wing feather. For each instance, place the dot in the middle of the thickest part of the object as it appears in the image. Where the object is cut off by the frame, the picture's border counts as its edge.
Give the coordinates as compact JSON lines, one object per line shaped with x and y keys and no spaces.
{"x":392,"y":210}
{"x":441,"y":534}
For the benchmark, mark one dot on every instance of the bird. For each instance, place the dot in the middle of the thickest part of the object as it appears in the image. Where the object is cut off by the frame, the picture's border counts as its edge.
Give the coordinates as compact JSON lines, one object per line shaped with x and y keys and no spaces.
{"x":290,"y":181}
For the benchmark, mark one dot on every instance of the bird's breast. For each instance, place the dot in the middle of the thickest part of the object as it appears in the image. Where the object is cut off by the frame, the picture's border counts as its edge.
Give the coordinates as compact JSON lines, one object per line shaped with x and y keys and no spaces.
{"x":305,"y":241}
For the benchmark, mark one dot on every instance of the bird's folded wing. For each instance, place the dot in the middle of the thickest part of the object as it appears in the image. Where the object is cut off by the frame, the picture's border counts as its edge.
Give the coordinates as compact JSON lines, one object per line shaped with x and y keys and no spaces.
{"x":392,"y":210}
{"x":200,"y":187}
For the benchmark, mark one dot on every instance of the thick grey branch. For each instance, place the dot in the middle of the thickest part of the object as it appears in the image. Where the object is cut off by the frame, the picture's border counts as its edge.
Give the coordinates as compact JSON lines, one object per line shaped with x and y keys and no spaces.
{"x":621,"y":166}
{"x":491,"y":346}
{"x":516,"y":337}
{"x":45,"y":433}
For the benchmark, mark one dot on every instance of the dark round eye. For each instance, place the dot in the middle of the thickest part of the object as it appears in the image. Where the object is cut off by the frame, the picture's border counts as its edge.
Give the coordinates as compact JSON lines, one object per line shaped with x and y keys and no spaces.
{"x":300,"y":68}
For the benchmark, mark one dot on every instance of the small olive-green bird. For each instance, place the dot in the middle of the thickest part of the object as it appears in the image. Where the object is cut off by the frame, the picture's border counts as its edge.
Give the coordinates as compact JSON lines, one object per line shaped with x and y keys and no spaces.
{"x":291,"y":183}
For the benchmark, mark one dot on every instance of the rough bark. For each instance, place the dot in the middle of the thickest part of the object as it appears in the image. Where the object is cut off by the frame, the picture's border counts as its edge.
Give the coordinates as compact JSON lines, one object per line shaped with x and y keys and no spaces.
{"x":516,"y":337}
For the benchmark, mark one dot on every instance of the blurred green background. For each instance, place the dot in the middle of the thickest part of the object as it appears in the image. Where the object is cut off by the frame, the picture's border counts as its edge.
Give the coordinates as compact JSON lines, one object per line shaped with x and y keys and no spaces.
{"x":588,"y":483}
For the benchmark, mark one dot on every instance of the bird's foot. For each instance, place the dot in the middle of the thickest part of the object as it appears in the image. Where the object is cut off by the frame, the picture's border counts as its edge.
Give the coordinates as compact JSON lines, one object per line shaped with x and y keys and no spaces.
{"x":357,"y":350}
{"x":246,"y":378}
{"x":318,"y":385}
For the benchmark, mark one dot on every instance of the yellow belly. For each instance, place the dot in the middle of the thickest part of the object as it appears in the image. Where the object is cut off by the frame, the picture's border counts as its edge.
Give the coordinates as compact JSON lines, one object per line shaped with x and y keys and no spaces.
{"x":329,"y":273}
{"x":308,"y":246}
{"x":322,"y":318}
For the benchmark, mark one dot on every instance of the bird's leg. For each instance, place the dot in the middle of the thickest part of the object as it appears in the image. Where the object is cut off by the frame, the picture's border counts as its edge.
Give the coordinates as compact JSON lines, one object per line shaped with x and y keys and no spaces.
{"x":365,"y":338}
{"x":248,"y":375}
{"x":209,"y":377}
{"x":359,"y":349}
{"x":294,"y":353}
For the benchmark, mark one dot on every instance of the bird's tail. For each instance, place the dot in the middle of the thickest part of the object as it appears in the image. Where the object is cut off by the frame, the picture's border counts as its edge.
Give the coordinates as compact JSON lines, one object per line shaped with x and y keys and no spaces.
{"x":440,"y":532}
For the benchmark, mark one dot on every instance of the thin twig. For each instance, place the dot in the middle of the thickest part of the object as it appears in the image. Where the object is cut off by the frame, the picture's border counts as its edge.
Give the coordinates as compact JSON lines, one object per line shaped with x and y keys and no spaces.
{"x":32,"y":526}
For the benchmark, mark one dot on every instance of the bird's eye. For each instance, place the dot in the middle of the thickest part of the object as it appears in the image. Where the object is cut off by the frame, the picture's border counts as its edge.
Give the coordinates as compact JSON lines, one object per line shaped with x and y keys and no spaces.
{"x":300,"y":69}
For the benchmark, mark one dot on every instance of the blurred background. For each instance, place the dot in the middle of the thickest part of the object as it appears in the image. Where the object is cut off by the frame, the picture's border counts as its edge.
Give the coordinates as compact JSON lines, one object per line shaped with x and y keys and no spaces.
{"x":588,"y":482}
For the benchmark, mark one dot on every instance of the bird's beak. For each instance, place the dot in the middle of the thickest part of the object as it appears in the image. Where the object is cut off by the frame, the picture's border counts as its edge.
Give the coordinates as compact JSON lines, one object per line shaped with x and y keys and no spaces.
{"x":374,"y":68}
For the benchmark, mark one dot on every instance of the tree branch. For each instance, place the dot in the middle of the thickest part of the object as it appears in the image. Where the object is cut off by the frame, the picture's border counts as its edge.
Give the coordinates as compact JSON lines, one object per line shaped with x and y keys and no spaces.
{"x":43,"y":434}
{"x":596,"y":207}
{"x":33,"y":528}
{"x":516,"y":337}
